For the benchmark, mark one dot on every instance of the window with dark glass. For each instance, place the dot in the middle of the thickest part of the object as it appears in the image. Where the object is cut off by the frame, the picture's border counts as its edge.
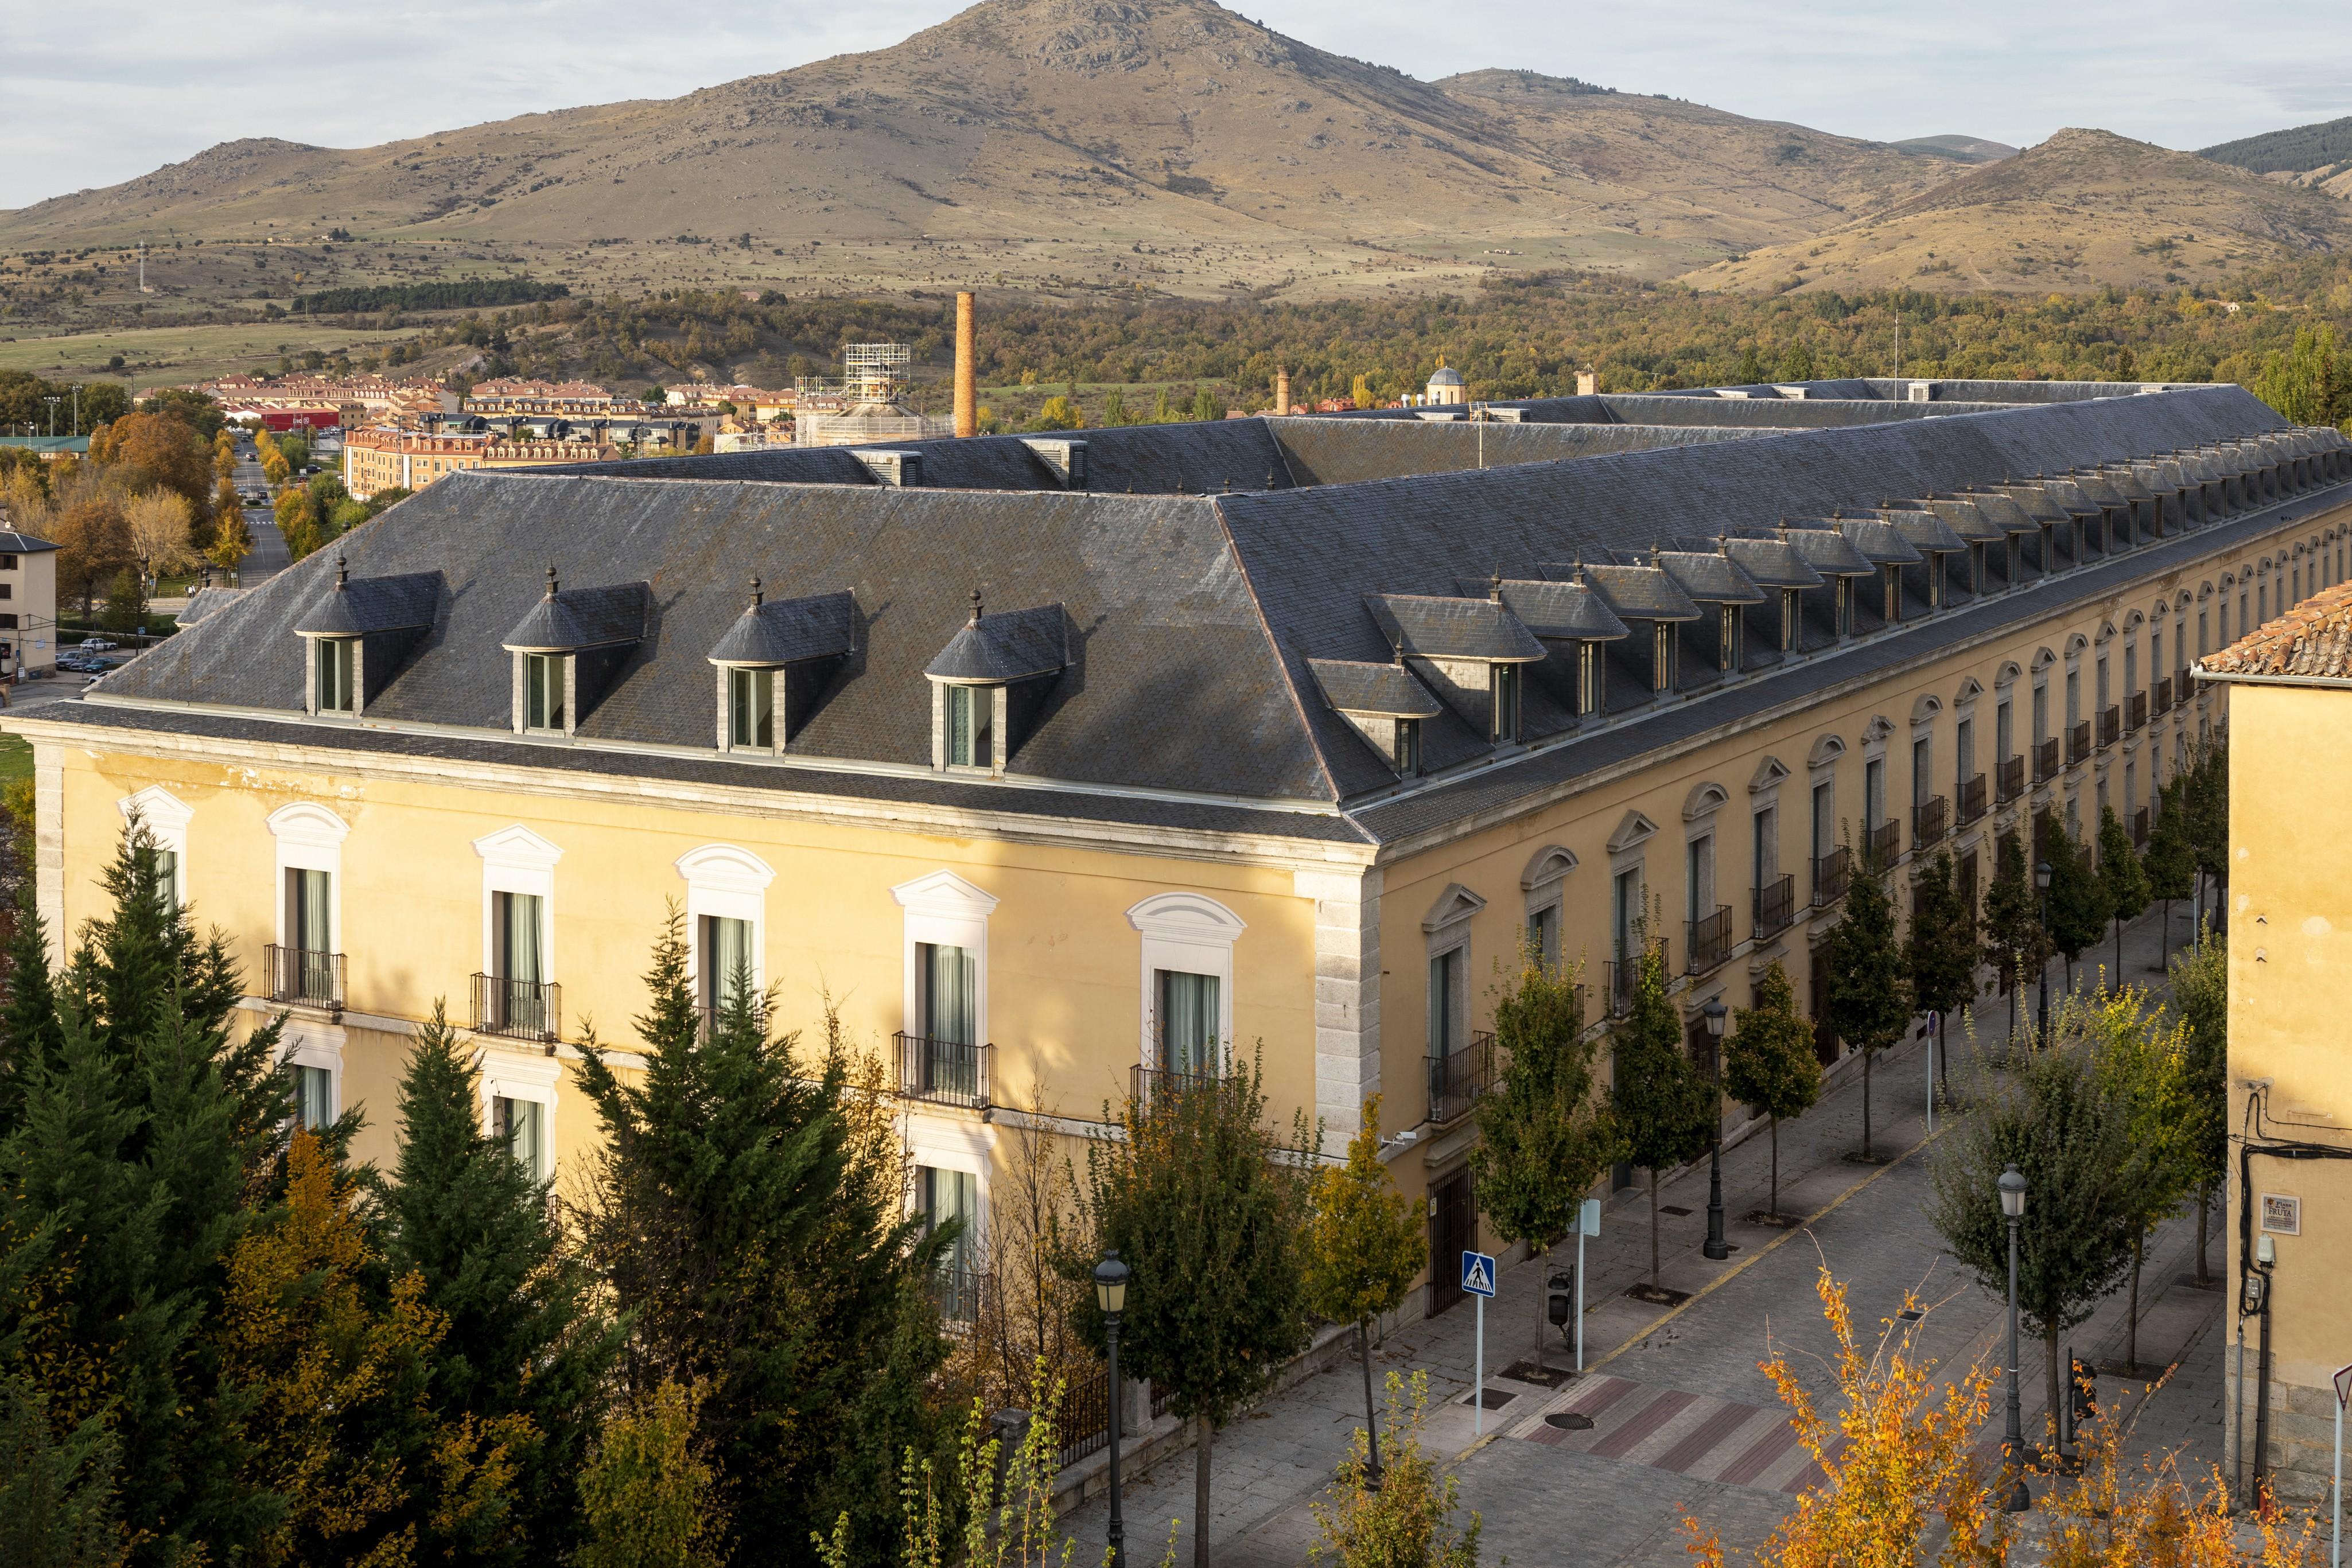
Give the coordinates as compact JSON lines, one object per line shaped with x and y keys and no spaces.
{"x":314,"y":1096}
{"x":1408,"y":746}
{"x":519,"y":962}
{"x":1503,"y":685}
{"x":1543,"y":935}
{"x":1445,"y":1002}
{"x":947,"y":992}
{"x":542,"y":691}
{"x":1591,"y":673}
{"x":942,"y":1198}
{"x":335,"y":659}
{"x":970,"y":711}
{"x":752,"y":708}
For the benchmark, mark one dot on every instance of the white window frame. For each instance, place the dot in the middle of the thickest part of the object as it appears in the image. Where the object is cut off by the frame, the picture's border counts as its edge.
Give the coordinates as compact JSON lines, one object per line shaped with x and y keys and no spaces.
{"x":312,"y":1044}
{"x":1191,"y":933}
{"x":729,"y":883}
{"x":516,"y":859}
{"x":166,"y":817}
{"x":944,"y":910}
{"x":515,"y":1075}
{"x":309,"y":838}
{"x":951,"y":1143}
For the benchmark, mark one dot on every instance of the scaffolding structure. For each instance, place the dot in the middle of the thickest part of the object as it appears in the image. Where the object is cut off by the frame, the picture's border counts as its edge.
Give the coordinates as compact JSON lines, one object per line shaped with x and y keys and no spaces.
{"x":876,"y":372}
{"x":875,"y":380}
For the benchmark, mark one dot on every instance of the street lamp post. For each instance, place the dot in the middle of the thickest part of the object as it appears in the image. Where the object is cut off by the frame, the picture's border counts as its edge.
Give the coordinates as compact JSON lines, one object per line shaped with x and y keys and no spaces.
{"x":1110,"y":1295}
{"x":2041,"y":875}
{"x":2012,"y":1208}
{"x":1717,"y":1248}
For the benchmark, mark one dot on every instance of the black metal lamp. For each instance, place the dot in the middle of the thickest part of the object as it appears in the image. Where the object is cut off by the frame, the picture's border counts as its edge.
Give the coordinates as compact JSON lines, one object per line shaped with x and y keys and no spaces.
{"x":1110,"y":1295}
{"x":2012,"y":1208}
{"x":2043,"y":872}
{"x":1717,"y":1248}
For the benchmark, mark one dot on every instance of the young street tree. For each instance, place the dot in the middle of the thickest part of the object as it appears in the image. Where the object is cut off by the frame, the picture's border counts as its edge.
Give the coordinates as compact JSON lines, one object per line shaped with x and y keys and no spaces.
{"x":1364,"y":1244}
{"x":2122,"y":882}
{"x":2206,"y":795}
{"x":1769,"y":1063}
{"x":1546,"y":1136}
{"x":1869,"y":1001}
{"x":2055,"y":1118}
{"x":2200,"y":989}
{"x":2078,"y":905}
{"x":1942,"y":952}
{"x":2143,"y":1054}
{"x":2171,"y":863}
{"x":744,"y":1213}
{"x":1664,"y":1112}
{"x":1206,"y":1204}
{"x":2015,"y":944}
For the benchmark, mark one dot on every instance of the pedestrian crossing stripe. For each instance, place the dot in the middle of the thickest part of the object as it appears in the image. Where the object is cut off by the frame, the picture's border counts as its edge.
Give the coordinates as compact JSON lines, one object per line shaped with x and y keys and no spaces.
{"x":1478,"y":1273}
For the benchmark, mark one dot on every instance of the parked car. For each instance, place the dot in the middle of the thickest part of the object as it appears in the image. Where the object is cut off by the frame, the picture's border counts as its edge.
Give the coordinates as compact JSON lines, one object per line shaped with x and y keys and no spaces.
{"x":82,"y":666}
{"x":96,"y":645}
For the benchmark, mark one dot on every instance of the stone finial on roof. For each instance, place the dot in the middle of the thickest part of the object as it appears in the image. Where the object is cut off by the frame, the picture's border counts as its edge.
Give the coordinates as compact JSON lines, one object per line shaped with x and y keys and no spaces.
{"x":342,"y":574}
{"x":755,"y":590}
{"x":552,"y":584}
{"x":975,"y":607}
{"x":1495,"y":586}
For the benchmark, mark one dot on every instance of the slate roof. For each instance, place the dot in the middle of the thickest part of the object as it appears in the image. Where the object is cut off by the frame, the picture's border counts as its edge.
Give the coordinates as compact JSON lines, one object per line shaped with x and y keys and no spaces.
{"x":1878,"y":541}
{"x":1708,"y":577}
{"x":1965,"y":516}
{"x":1011,"y":645}
{"x":354,"y":607}
{"x":1189,"y":622}
{"x":570,"y":620}
{"x":14,"y":543}
{"x":1429,"y":627}
{"x":204,"y":601}
{"x":772,"y":632}
{"x":2314,"y":638}
{"x":1927,"y":532}
{"x":1563,"y":609}
{"x":1386,"y":691}
{"x":1636,"y":593}
{"x":1769,"y":562}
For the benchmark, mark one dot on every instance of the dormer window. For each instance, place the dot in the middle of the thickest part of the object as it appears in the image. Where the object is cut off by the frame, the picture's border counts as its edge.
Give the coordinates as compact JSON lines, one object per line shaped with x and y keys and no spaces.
{"x":570,"y":647}
{"x":1469,"y":654}
{"x":337,"y":664}
{"x":991,"y":682}
{"x":1503,"y":691}
{"x":775,"y":663}
{"x":969,"y":713}
{"x":543,"y":682}
{"x":1384,"y":704}
{"x":1405,"y":755}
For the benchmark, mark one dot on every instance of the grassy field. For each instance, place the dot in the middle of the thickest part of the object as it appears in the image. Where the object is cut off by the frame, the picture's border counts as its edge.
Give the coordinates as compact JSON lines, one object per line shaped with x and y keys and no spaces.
{"x":15,"y":758}
{"x":167,"y":356}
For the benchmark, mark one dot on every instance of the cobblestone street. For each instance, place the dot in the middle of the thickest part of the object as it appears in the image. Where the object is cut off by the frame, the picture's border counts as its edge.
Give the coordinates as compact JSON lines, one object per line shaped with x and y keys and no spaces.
{"x":1684,"y":1420}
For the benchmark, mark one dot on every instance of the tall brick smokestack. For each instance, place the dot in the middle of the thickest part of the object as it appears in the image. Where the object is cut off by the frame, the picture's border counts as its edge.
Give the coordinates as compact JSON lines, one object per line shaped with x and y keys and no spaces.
{"x":1282,"y":390}
{"x":967,"y":382}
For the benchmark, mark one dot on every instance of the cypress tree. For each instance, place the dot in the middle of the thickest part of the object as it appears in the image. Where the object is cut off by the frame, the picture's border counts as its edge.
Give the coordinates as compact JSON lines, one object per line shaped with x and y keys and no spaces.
{"x":2200,"y":980}
{"x":522,"y":1339}
{"x":1664,"y":1112}
{"x":2206,"y":797}
{"x":29,"y":1035}
{"x":751,"y":1237}
{"x":1869,"y":1001}
{"x":2123,"y":884}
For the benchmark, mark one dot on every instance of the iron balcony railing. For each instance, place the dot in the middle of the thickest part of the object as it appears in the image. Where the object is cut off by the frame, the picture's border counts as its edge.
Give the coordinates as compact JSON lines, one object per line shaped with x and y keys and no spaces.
{"x":1151,"y":1084}
{"x":2181,"y":688}
{"x":2163,"y":704}
{"x":1831,"y":873}
{"x":1710,"y":940}
{"x":942,"y":1071}
{"x":304,"y":975}
{"x":1884,"y":845}
{"x":2013,"y":777}
{"x":1457,"y":1080}
{"x":524,"y":1009}
{"x":1928,"y":822}
{"x":707,"y":1016}
{"x":1774,"y":906}
{"x":1972,"y":799}
{"x":2111,"y":726}
{"x":1618,"y":980}
{"x":955,"y":1293}
{"x":2078,"y":742}
{"x":2140,"y":828}
{"x":2045,"y":760}
{"x":2136,"y":717}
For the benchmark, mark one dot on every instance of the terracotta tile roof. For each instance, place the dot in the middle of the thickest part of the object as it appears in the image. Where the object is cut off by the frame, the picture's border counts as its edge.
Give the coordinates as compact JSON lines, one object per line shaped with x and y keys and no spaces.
{"x":2314,"y":638}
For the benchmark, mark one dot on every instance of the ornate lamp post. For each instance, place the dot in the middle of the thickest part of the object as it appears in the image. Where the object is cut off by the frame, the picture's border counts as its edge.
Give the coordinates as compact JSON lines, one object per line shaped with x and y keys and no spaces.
{"x":1717,"y":1248}
{"x":2041,"y":875}
{"x":2012,"y":1207}
{"x":1110,"y":1295}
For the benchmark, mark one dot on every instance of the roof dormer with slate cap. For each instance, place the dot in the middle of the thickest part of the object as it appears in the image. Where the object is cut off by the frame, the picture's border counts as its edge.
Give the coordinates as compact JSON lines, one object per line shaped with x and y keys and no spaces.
{"x":1637,"y":589}
{"x":360,"y":633}
{"x":797,"y":643}
{"x":1774,"y":566}
{"x":1572,"y":616}
{"x":988,"y":683}
{"x":1471,"y":652}
{"x":569,"y":647}
{"x":1713,"y":579}
{"x":1382,"y":702}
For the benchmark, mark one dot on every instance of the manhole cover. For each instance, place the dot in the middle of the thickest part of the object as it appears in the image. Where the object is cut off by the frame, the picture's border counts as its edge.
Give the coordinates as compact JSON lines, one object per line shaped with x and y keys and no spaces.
{"x":1570,"y":1421}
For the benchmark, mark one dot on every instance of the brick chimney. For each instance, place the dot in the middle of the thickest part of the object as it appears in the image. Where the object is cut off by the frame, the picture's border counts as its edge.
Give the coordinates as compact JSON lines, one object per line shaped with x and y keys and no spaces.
{"x":1587,"y":383}
{"x":966,"y":386}
{"x":1282,"y":390}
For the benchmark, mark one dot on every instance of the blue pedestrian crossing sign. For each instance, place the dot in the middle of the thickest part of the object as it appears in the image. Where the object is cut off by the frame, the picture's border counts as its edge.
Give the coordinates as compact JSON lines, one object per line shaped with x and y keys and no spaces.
{"x":1478,"y":1273}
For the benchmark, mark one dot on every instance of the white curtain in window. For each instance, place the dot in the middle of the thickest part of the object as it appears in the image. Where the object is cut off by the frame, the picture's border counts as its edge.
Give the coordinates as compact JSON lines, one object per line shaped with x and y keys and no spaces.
{"x":1190,"y":1017}
{"x":950,"y":994}
{"x":727,"y":950}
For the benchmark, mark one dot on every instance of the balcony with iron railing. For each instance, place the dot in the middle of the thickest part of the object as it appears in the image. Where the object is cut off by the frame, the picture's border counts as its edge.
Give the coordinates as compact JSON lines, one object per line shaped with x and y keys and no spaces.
{"x":1883,"y":846}
{"x":942,"y":1071}
{"x":2111,"y":726}
{"x":2163,"y":703}
{"x":1151,"y":1084}
{"x":520,"y":1009}
{"x":955,"y":1295}
{"x":1972,"y":799}
{"x":2139,"y":827}
{"x":1928,"y":823}
{"x":2045,"y":760}
{"x":1709,"y":941}
{"x":2012,"y":778}
{"x":304,"y":976}
{"x":1774,"y":906}
{"x":2078,"y":742}
{"x":2136,"y":719}
{"x":1457,"y":1080}
{"x":1831,"y":873}
{"x":1618,"y":979}
{"x":2182,"y":691}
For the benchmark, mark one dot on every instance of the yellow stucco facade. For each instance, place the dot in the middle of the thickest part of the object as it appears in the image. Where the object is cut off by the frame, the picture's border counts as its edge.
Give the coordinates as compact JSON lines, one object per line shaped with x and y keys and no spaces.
{"x":1326,"y":946}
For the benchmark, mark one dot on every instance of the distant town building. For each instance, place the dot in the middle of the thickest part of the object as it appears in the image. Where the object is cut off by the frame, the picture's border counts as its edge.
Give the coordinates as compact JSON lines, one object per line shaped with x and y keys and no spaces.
{"x":383,"y":459}
{"x":1446,"y":387}
{"x":576,"y":398}
{"x":355,"y":399}
{"x":28,"y":603}
{"x":49,"y":448}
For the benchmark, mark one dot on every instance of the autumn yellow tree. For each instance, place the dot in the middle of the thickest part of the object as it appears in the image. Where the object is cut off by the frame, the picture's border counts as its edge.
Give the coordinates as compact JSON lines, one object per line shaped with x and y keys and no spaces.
{"x":1899,"y":1453}
{"x":2096,"y":1521}
{"x":162,"y":531}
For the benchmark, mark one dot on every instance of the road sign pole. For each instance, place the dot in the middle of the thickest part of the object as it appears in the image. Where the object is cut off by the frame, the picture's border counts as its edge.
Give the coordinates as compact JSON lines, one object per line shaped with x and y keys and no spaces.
{"x":2336,"y":1533}
{"x":1580,"y":1298}
{"x":1934,"y":1033}
{"x":1478,"y":1389}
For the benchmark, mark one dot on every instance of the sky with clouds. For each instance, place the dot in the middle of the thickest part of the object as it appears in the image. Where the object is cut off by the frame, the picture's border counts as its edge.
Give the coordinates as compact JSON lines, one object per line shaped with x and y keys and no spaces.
{"x":98,"y":92}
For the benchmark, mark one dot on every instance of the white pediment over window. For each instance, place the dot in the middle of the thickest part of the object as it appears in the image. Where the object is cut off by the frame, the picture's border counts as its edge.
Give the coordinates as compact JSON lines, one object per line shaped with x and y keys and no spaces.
{"x":1925,"y":710}
{"x":1768,"y":773}
{"x":162,"y":810}
{"x":1551,"y":863}
{"x":1631,"y":832}
{"x":517,"y":846}
{"x":1185,"y":917}
{"x":1879,"y":728}
{"x":1705,"y":800}
{"x":1826,"y":750}
{"x":1455,"y":905}
{"x":944,"y":893}
{"x":1970,"y":689}
{"x":308,"y":822}
{"x":724,"y":868}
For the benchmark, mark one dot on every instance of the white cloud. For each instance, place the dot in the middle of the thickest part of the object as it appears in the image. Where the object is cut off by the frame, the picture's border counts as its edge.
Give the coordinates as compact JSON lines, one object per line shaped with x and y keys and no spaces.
{"x":103,"y":91}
